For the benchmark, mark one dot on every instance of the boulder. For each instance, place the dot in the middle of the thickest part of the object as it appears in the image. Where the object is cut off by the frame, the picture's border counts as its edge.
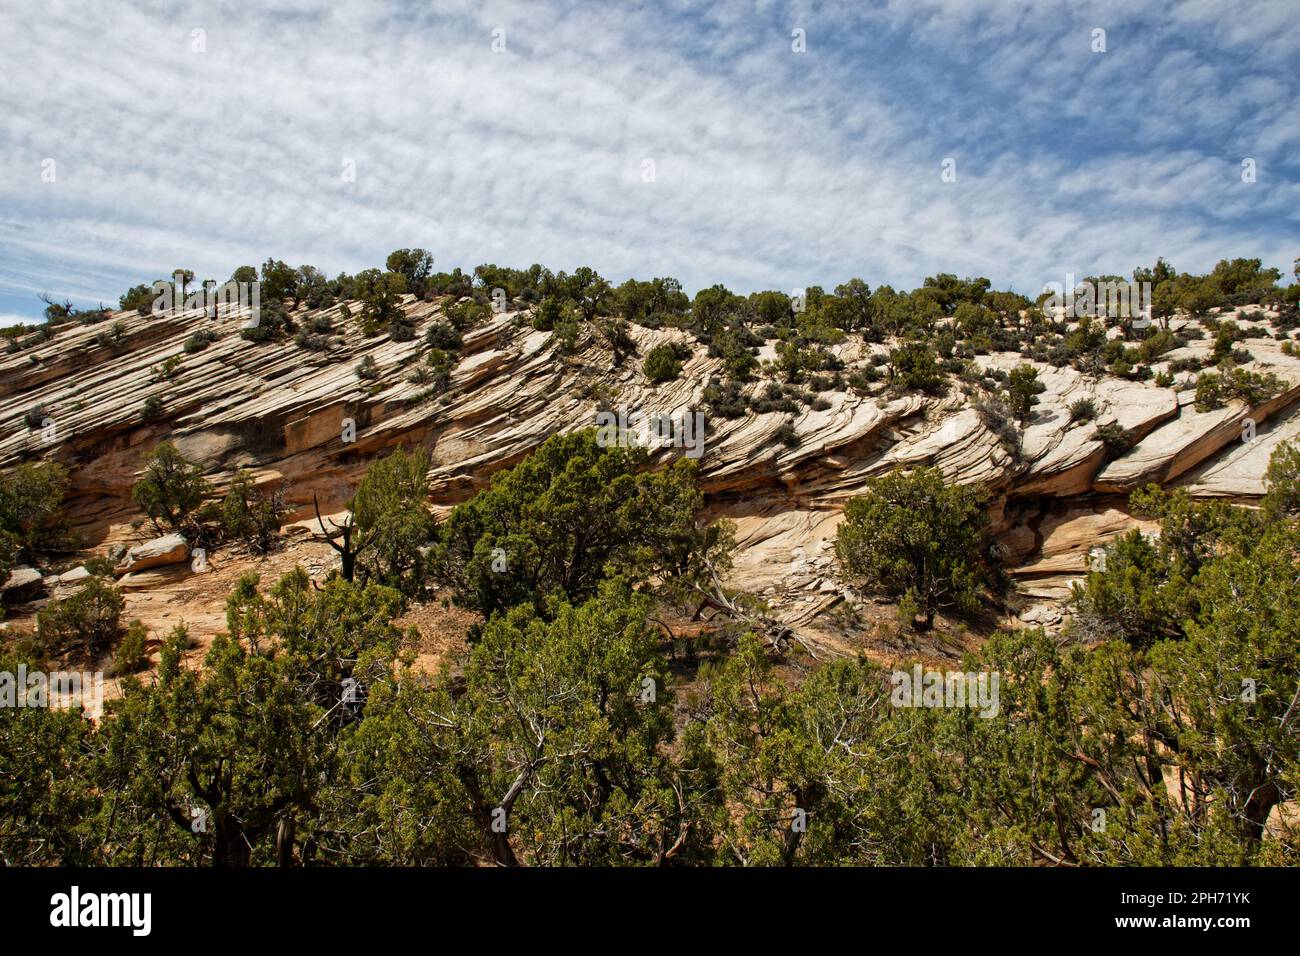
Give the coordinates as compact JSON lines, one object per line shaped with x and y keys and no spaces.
{"x":169,"y":549}
{"x":1283,"y":821}
{"x":75,"y":576}
{"x":1041,"y":614}
{"x":155,"y":578}
{"x":23,"y":584}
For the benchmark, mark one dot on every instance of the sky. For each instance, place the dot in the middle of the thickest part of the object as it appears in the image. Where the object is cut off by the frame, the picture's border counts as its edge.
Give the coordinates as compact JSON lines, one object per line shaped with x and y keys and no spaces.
{"x":759,"y":144}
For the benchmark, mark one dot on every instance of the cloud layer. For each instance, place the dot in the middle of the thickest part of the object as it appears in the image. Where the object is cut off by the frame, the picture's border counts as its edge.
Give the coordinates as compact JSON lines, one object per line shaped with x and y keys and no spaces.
{"x":772,"y":169}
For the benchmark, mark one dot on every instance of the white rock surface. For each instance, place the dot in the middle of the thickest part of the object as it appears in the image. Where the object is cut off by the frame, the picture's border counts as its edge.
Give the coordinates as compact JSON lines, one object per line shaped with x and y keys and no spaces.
{"x":22,"y":583}
{"x":280,"y":411}
{"x":169,"y":549}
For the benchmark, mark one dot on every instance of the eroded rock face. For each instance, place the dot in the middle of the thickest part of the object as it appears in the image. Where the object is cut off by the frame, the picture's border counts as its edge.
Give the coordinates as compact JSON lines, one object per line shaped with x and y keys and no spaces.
{"x":1191,"y":438}
{"x":306,"y":418}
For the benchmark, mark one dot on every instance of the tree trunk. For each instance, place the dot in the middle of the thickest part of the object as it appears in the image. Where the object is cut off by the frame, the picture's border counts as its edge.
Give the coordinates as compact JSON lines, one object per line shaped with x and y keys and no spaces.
{"x":284,"y":836}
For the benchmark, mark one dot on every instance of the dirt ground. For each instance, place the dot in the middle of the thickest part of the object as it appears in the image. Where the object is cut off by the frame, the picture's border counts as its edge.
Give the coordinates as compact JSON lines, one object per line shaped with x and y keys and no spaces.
{"x":176,"y":595}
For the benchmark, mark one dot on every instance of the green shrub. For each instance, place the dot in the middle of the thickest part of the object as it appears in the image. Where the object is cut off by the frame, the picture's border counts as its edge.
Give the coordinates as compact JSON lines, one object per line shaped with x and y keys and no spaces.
{"x":273,"y":323}
{"x":1153,"y":346}
{"x":380,"y":295}
{"x":86,"y":620}
{"x":1214,"y":390}
{"x":567,"y":335}
{"x":787,"y":435}
{"x":171,"y":489}
{"x":367,"y":369}
{"x":200,"y":340}
{"x":547,"y":314}
{"x":439,"y":365}
{"x":1114,"y":436}
{"x":1123,"y":597}
{"x":1083,"y":410}
{"x":914,"y":367}
{"x":392,"y":522}
{"x":131,"y":655}
{"x":99,"y":565}
{"x":794,"y":360}
{"x":916,"y":537}
{"x":31,"y":515}
{"x":661,"y":364}
{"x":1226,"y":336}
{"x":1023,"y":388}
{"x":443,"y":335}
{"x":312,"y":341}
{"x":250,"y":517}
{"x":774,"y":399}
{"x":153,"y":408}
{"x":113,"y":337}
{"x":1283,"y":497}
{"x":725,"y":399}
{"x":997,"y":416}
{"x":736,"y":352}
{"x":861,"y":379}
{"x":1186,"y":365}
{"x":140,"y":298}
{"x":167,"y":371}
{"x":569,"y":515}
{"x":464,"y":316}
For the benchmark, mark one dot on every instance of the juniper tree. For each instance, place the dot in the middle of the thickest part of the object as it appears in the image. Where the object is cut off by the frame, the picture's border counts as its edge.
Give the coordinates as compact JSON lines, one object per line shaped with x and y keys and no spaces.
{"x":1023,"y":389}
{"x":392,"y":521}
{"x":913,"y":536}
{"x":1283,"y":497}
{"x":380,"y":295}
{"x":250,"y":516}
{"x":568,"y":516}
{"x":31,"y":510}
{"x":171,"y":489}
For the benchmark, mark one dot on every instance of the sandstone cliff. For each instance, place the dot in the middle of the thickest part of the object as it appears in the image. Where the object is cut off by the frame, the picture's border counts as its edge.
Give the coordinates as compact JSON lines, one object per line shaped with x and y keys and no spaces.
{"x":283,"y":412}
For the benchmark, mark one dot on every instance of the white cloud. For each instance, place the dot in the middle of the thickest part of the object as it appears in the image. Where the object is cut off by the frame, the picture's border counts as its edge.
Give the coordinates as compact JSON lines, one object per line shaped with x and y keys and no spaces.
{"x":773,"y":169}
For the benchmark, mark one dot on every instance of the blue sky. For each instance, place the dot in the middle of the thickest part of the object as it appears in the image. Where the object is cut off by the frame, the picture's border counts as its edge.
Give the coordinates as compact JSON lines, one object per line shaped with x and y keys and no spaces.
{"x":772,"y":169}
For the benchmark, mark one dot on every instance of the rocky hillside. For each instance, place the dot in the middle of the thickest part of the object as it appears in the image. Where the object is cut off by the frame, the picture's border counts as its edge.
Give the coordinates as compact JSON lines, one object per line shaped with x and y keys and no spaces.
{"x":99,"y":403}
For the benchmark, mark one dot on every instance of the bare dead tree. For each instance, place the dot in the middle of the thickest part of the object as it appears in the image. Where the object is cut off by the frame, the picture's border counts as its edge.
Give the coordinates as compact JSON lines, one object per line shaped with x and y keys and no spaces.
{"x":713,"y":595}
{"x":348,"y":551}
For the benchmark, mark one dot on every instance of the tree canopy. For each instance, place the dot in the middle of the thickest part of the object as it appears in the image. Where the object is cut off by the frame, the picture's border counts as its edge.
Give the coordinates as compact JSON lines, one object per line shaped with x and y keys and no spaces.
{"x":567,"y":517}
{"x":915,"y":537}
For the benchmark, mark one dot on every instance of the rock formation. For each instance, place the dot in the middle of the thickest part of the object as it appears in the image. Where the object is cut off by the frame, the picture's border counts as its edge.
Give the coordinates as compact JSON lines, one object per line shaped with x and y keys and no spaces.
{"x":305,"y":418}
